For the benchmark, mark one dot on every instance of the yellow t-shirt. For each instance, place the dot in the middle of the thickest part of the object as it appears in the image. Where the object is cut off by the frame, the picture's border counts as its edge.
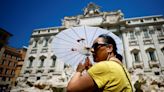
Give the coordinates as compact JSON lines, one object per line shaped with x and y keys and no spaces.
{"x":110,"y":76}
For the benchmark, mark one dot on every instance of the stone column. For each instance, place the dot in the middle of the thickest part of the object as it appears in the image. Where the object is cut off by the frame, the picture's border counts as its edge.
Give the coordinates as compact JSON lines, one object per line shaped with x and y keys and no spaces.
{"x":126,"y":50}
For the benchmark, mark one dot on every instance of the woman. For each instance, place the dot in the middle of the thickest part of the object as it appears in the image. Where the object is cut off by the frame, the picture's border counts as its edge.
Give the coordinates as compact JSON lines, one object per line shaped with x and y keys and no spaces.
{"x":107,"y":75}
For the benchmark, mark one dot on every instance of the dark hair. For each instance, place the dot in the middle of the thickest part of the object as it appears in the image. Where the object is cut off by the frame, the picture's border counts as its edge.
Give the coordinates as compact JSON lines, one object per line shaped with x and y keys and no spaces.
{"x":119,"y":57}
{"x":109,"y":40}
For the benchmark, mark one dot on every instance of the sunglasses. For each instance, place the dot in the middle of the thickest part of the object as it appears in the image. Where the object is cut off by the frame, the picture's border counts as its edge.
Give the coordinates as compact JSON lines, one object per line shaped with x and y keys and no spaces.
{"x":97,"y":45}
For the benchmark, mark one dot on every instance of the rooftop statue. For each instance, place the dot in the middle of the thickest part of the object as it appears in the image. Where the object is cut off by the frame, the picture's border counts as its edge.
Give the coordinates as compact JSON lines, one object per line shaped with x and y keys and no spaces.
{"x":91,"y":9}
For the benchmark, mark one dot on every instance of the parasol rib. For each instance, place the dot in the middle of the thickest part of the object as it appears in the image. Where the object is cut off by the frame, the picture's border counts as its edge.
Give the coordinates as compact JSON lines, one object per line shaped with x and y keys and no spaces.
{"x":63,"y":52}
{"x":65,"y":55}
{"x":77,"y":35}
{"x":86,"y":36}
{"x":77,"y":55}
{"x":70,"y":37}
{"x":62,"y":48}
{"x":94,"y":35}
{"x":72,"y":57}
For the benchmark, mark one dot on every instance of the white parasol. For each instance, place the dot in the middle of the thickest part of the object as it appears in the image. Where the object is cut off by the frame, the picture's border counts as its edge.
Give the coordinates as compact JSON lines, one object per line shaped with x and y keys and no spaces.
{"x":73,"y":45}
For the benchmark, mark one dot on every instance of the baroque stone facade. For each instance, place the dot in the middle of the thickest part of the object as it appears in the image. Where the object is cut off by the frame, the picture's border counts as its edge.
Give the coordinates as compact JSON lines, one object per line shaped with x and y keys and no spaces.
{"x":143,"y":43}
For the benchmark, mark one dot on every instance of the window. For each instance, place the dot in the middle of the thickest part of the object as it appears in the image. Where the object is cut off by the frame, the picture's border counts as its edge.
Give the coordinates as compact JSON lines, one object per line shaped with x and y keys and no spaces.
{"x":154,"y":19}
{"x":26,"y":78}
{"x":160,"y":31}
{"x":36,"y":42}
{"x":42,"y":62}
{"x":5,"y":55}
{"x":146,"y":34}
{"x":162,"y":50}
{"x":3,"y":78}
{"x":42,"y":58}
{"x":6,"y":72}
{"x":141,"y":20}
{"x":53,"y":60}
{"x":152,"y":55}
{"x":30,"y":63}
{"x":9,"y":79}
{"x":3,"y":62}
{"x":132,"y":35}
{"x":13,"y":57}
{"x":50,"y":40}
{"x":9,"y":64}
{"x":18,"y":58}
{"x":15,"y":64}
{"x":157,"y":73}
{"x":129,"y":22}
{"x":151,"y":31}
{"x":13,"y":72}
{"x":38,"y":78}
{"x":1,"y":70}
{"x":65,"y":65}
{"x":46,"y":42}
{"x":136,"y":57}
{"x":31,"y":59}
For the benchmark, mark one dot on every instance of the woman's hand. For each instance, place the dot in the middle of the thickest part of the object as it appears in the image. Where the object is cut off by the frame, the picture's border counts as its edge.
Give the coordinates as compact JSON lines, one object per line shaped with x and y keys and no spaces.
{"x":87,"y":63}
{"x":80,"y":67}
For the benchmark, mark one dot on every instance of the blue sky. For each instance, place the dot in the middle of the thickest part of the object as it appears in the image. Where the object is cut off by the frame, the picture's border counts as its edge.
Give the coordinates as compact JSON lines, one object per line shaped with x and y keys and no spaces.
{"x":21,"y":17}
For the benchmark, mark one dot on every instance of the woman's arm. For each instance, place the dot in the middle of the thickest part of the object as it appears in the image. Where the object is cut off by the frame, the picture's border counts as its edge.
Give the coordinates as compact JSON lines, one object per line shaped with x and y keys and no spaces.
{"x":79,"y":82}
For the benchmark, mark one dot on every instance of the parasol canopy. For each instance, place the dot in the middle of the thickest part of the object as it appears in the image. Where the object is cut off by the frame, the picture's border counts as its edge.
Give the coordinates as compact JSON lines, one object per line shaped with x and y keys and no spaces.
{"x":73,"y":44}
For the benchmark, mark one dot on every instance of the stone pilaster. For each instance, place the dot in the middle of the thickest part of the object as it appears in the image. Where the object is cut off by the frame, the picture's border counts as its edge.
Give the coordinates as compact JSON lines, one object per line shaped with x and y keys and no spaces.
{"x":141,"y":46}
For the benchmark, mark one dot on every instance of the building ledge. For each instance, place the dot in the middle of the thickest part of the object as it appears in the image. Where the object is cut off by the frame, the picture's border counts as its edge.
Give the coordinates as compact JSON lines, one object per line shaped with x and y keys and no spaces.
{"x":147,"y":70}
{"x":162,"y":68}
{"x":5,"y":82}
{"x":28,"y":71}
{"x":147,"y":41}
{"x":138,"y":65}
{"x":51,"y":70}
{"x":39,"y":70}
{"x":154,"y":64}
{"x":133,"y":42}
{"x":160,"y":38}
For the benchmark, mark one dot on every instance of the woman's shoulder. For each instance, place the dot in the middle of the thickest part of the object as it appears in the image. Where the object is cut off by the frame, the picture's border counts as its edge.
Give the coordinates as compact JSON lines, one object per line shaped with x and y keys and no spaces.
{"x":99,"y":66}
{"x":102,"y":63}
